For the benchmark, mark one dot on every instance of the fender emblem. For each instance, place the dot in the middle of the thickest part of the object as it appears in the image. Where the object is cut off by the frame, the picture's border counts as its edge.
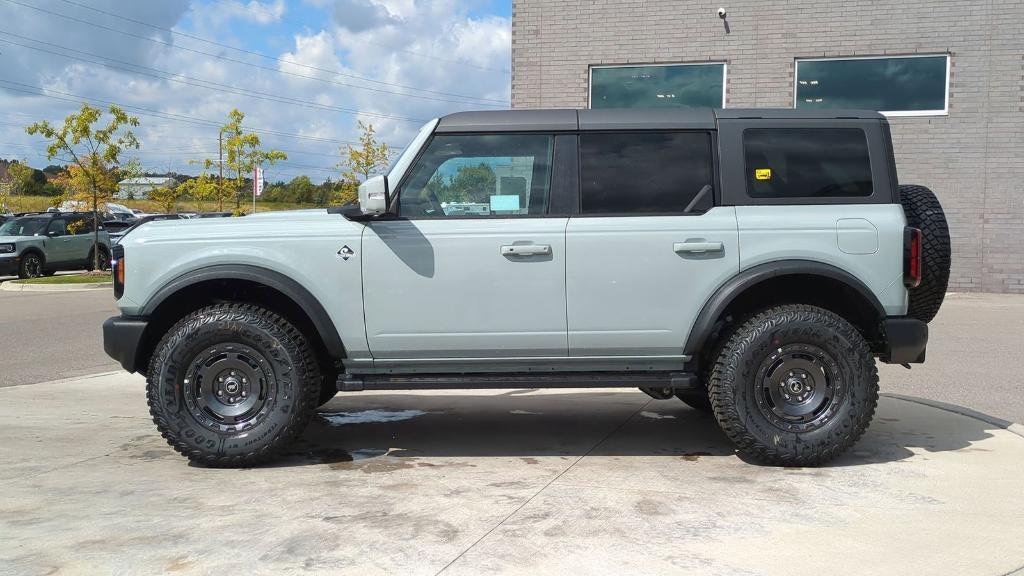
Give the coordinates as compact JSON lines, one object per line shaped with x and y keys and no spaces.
{"x":345,"y":253}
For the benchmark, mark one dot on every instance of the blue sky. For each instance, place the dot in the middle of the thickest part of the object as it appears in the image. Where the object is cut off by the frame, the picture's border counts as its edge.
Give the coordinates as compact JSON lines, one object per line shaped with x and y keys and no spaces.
{"x":304,"y":71}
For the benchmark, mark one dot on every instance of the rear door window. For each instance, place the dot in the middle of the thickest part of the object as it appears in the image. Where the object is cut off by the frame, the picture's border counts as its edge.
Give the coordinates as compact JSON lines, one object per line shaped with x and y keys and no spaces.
{"x":643,"y":172}
{"x":807,"y":162}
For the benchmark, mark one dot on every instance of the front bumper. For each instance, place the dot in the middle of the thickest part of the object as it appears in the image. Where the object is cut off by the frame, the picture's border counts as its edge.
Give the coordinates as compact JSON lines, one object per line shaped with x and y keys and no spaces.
{"x":9,"y":265}
{"x":905,"y":340}
{"x":121,"y":339}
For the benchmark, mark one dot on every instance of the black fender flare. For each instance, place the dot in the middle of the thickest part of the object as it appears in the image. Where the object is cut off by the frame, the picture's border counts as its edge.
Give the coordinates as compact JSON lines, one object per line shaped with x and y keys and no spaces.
{"x":738,"y":284}
{"x":298,"y":293}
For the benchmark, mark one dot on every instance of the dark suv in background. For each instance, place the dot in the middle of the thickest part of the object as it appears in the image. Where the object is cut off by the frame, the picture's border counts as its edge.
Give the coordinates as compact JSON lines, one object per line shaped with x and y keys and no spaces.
{"x":35,"y":245}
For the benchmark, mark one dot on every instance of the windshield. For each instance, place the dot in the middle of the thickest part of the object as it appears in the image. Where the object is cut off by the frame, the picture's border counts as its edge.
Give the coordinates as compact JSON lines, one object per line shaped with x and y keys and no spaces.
{"x":24,"y":227}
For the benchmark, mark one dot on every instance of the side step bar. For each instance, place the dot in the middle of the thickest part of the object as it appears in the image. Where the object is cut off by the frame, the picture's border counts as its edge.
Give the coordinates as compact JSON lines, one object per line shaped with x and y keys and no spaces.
{"x":659,"y":380}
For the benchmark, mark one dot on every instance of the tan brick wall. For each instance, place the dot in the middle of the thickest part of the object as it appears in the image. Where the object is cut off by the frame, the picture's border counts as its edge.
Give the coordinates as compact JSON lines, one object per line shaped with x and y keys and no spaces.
{"x":973,"y":158}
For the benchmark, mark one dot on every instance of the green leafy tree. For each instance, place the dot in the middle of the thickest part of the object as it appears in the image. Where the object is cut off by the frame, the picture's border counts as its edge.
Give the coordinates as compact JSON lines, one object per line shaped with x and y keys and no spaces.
{"x":93,"y":152}
{"x":358,"y":164}
{"x":16,"y":182}
{"x":166,"y":197}
{"x":244,"y":153}
{"x":201,"y":189}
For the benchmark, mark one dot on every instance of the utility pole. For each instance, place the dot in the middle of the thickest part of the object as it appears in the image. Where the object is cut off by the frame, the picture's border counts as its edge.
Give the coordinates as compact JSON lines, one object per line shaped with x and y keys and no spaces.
{"x":220,"y":167}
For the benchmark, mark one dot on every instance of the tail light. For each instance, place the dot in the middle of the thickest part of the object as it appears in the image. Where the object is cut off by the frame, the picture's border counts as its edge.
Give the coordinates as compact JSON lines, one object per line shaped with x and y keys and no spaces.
{"x":912,"y":261}
{"x":117,"y":270}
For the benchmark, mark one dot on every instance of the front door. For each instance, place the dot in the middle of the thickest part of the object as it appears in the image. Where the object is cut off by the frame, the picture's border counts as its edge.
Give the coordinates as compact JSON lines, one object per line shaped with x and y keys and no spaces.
{"x":474,"y":265}
{"x":648,"y":248}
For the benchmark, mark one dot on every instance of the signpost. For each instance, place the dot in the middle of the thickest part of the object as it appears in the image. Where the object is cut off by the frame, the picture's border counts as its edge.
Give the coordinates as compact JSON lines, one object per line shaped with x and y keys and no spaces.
{"x":257,"y":185}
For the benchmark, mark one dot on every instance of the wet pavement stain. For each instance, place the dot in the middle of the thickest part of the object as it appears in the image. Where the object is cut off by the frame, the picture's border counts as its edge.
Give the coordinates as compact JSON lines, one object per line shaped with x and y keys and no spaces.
{"x":151,"y":455}
{"x":530,"y":460}
{"x":694,"y":456}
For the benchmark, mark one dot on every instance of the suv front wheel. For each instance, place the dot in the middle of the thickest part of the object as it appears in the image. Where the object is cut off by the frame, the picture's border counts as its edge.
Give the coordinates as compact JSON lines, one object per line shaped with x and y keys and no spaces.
{"x":231,"y":384}
{"x":795,"y":385}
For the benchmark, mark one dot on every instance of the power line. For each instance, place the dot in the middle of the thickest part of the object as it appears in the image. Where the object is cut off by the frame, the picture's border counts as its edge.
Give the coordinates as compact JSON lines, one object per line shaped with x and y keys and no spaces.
{"x":262,"y":55}
{"x":200,"y":83}
{"x":279,"y":60}
{"x":69,"y":97}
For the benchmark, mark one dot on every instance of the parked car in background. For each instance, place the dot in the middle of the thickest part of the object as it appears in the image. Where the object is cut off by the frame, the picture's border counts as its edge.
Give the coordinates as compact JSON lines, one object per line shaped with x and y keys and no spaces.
{"x":138,"y":213}
{"x":115,"y":236}
{"x":41,"y":244}
{"x":212,"y":215}
{"x":120,"y":211}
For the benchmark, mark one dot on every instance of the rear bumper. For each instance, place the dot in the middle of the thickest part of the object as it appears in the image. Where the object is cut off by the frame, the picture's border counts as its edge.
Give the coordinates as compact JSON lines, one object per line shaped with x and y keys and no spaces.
{"x":905,"y":340}
{"x":121,"y":338}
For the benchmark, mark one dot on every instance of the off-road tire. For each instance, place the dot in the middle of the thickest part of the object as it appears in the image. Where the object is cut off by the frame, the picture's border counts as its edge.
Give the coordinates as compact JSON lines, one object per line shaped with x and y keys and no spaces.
{"x":735,"y":386}
{"x":288,"y":372}
{"x":328,"y":390}
{"x":31,"y":266}
{"x":924,"y":212}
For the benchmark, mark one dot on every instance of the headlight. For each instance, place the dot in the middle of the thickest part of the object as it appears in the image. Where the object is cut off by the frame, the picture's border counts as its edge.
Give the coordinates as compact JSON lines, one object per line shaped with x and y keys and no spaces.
{"x":6,"y":248}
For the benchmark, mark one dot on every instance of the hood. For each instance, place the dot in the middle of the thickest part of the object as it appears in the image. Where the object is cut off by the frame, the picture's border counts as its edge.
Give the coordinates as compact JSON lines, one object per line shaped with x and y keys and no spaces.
{"x":291,"y":223}
{"x":16,"y":239}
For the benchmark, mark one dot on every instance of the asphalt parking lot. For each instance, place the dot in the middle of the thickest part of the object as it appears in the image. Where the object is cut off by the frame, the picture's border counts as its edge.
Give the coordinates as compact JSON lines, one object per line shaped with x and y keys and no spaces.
{"x":517,"y":481}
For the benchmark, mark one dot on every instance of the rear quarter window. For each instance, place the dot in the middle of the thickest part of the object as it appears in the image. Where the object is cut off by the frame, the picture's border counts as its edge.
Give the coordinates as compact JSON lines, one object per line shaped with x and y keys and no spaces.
{"x":807,"y":163}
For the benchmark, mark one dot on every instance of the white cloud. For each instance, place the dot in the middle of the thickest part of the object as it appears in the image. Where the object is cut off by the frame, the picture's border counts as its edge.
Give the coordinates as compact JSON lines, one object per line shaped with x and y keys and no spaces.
{"x":433,"y":46}
{"x":262,"y":13}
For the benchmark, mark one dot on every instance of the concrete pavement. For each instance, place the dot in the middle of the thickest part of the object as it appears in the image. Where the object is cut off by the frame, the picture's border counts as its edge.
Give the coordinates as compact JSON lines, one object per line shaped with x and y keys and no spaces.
{"x":522,"y":482}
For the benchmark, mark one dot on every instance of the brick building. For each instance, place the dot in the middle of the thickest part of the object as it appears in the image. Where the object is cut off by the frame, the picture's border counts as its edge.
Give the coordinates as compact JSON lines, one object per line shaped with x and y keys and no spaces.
{"x":950,"y":76}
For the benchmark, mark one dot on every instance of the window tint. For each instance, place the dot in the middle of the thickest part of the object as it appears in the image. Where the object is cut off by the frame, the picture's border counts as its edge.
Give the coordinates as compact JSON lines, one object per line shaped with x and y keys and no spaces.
{"x":671,"y":86}
{"x":480,"y":175}
{"x":56,"y":228}
{"x":807,"y":162}
{"x":653,"y":172}
{"x":906,"y":84}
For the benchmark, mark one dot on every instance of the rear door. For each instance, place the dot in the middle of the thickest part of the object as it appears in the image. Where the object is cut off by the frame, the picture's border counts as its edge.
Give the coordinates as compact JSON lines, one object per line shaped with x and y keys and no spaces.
{"x":640,"y":265}
{"x":81,"y":239}
{"x":474,"y":265}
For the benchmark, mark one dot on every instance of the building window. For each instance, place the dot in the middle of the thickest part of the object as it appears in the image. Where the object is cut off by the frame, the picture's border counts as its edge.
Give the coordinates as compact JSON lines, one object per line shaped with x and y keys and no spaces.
{"x":658,"y":86}
{"x":807,"y":162}
{"x":897,"y":86}
{"x":642,"y":173}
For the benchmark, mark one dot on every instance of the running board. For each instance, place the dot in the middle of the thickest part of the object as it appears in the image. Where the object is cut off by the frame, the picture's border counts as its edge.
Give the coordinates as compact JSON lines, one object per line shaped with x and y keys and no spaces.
{"x":662,"y":380}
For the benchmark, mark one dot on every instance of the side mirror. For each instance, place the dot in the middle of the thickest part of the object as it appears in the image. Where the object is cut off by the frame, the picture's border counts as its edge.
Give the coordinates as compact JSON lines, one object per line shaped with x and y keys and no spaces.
{"x":373,"y":195}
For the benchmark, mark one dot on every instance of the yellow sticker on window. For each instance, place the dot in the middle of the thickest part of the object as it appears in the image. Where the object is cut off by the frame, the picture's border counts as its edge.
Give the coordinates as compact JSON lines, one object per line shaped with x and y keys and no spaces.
{"x":763,"y":174}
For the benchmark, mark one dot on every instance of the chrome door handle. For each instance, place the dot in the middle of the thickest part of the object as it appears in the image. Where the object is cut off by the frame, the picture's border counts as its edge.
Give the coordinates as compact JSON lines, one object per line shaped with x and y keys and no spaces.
{"x":698,"y":247}
{"x":526,"y":250}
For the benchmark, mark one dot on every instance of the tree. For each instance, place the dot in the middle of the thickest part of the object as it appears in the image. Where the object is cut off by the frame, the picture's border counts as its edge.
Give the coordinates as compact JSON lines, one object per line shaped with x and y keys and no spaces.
{"x":201,"y":188}
{"x":16,"y":180}
{"x":360,"y":163}
{"x":244,"y":153}
{"x":166,"y":197}
{"x":93,"y":153}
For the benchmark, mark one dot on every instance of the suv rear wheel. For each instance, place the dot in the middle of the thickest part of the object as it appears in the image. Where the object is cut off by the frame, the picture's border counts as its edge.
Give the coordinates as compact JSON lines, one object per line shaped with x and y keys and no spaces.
{"x":231,"y":384}
{"x":104,"y":260}
{"x":795,"y":385}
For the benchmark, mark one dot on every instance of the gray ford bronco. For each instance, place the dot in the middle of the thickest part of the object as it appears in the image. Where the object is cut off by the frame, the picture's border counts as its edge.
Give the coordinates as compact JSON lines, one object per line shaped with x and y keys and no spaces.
{"x":752,"y":263}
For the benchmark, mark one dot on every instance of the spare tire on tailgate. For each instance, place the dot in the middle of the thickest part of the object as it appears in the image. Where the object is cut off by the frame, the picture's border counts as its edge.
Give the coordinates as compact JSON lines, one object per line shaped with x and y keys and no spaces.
{"x":924,"y":212}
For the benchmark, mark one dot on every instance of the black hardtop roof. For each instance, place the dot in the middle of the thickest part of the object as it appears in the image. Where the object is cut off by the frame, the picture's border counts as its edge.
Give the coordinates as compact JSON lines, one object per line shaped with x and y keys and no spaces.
{"x":628,"y":118}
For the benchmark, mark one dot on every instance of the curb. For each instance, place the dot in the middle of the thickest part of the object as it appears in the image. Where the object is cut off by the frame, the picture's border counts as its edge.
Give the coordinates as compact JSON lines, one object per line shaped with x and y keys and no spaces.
{"x":15,"y":286}
{"x":1011,"y":427}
